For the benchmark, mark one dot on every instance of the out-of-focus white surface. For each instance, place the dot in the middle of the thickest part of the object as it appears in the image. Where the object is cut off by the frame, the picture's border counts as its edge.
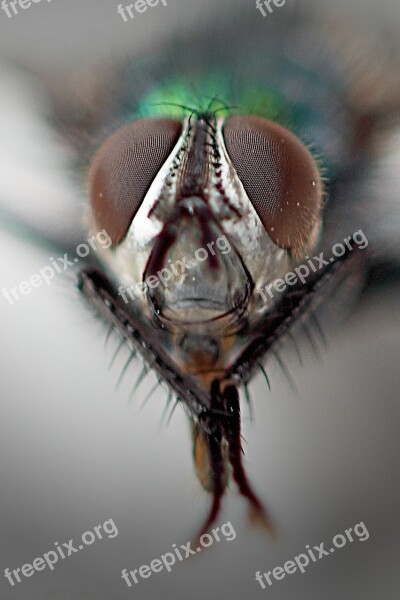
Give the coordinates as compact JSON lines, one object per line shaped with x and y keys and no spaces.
{"x":75,"y":453}
{"x":34,"y":163}
{"x":62,"y":32}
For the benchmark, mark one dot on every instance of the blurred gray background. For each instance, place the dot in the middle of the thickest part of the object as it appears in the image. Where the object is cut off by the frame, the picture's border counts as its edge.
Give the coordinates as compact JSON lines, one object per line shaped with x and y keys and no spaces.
{"x":74,"y":452}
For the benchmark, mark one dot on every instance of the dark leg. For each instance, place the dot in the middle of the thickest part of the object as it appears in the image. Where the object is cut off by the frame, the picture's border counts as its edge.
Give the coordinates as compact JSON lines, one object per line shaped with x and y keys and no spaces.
{"x":233,"y":437}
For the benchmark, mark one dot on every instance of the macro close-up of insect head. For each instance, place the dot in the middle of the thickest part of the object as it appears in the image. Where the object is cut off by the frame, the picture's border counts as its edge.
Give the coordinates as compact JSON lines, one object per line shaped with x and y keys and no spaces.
{"x":199,"y":232}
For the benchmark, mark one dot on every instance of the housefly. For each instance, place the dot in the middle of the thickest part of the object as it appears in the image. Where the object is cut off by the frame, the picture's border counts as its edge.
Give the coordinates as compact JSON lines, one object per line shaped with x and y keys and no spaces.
{"x":251,"y":153}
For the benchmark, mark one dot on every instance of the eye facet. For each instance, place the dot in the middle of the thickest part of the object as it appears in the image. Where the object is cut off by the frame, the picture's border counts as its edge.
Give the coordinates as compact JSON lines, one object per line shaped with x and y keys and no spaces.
{"x":280,"y":177}
{"x":123,"y":170}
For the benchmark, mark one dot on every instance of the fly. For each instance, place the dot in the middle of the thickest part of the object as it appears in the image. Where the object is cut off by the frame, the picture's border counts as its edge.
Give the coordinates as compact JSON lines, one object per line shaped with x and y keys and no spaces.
{"x":163,"y":188}
{"x":262,"y":135}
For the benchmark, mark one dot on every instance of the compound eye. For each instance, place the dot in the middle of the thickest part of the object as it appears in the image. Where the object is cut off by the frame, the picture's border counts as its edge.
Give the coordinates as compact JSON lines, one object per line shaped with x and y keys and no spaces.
{"x":123,"y":170}
{"x":280,"y":177}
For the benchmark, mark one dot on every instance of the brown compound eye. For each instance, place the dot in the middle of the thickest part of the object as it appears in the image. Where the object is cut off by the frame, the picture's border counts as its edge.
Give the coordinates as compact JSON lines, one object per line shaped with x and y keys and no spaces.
{"x":280,"y":177}
{"x":123,"y":170}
